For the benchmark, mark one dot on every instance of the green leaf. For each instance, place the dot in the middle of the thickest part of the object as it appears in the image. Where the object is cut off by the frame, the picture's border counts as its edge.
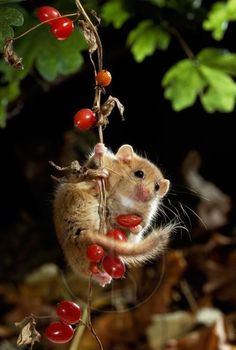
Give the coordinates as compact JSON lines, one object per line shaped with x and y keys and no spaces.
{"x":56,"y":57}
{"x":182,"y":84}
{"x":219,"y":16}
{"x":146,"y":38}
{"x":7,"y":94}
{"x":3,"y":2}
{"x":218,"y":58}
{"x":114,"y":12}
{"x":221,"y":92}
{"x":9,"y":17}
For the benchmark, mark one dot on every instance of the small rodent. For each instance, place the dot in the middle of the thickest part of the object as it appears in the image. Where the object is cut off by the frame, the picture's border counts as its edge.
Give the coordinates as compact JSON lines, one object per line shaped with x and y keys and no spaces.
{"x":134,"y":185}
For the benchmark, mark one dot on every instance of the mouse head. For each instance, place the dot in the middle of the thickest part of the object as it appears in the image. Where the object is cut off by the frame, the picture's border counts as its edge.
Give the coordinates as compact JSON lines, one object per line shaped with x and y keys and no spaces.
{"x":142,"y":180}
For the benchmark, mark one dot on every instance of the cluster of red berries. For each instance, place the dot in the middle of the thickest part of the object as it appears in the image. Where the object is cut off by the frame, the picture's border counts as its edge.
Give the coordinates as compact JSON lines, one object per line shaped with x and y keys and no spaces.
{"x":85,"y":118}
{"x":61,"y":27}
{"x":112,"y":265}
{"x":62,"y":331}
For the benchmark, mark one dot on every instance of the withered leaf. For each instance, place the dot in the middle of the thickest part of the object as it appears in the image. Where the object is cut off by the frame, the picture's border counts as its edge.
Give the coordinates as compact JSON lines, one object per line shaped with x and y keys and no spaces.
{"x":10,"y":56}
{"x":94,"y":13}
{"x":88,"y":35}
{"x":28,"y":333}
{"x":107,"y":108}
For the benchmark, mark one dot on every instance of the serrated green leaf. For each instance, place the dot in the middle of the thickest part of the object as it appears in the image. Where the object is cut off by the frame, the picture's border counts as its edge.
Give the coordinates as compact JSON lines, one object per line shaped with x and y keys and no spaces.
{"x":221,"y":92}
{"x":114,"y":12}
{"x":146,"y":38}
{"x":7,"y":94}
{"x":56,"y":58}
{"x":9,"y":17}
{"x":219,"y":16}
{"x":218,"y":58}
{"x":182,"y":84}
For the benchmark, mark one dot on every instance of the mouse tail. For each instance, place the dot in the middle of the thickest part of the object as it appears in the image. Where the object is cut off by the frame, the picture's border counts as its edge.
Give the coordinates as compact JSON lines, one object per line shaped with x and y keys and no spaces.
{"x":134,"y":253}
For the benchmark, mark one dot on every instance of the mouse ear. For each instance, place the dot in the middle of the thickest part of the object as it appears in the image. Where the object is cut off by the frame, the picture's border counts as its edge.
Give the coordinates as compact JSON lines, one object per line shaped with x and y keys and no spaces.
{"x":164,"y":187}
{"x":125,"y":154}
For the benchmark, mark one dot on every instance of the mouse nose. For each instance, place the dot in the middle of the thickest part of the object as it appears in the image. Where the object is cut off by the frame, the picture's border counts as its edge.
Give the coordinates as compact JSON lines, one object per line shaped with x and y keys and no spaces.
{"x":142,"y":193}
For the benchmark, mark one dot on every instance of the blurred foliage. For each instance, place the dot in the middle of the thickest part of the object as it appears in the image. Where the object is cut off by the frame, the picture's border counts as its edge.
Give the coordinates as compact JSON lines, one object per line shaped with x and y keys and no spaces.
{"x":149,"y":26}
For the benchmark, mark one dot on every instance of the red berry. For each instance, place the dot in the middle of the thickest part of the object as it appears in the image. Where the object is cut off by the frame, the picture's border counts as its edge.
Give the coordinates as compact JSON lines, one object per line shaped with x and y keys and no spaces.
{"x":84,"y":119}
{"x":68,"y":311}
{"x":114,"y":266}
{"x":129,"y":220}
{"x":45,"y":13}
{"x":58,"y":332}
{"x":103,"y":78}
{"x":62,"y":28}
{"x":95,"y":253}
{"x":117,"y":235}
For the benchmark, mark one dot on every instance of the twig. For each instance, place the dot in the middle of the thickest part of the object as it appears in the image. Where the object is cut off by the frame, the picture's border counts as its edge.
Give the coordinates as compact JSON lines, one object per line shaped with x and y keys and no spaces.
{"x":42,"y":23}
{"x":80,"y":331}
{"x":89,"y":321}
{"x":189,"y":295}
{"x":182,"y":42}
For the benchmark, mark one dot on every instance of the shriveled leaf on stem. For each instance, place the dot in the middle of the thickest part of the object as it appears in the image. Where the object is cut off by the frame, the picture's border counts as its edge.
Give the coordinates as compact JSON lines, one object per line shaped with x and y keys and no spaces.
{"x":11,"y":57}
{"x":28,"y":333}
{"x":107,"y":108}
{"x":88,"y":35}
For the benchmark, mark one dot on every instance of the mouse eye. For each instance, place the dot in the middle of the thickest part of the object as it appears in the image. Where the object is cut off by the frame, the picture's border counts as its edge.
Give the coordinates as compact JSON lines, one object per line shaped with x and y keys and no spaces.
{"x":157,"y":186}
{"x":139,"y":174}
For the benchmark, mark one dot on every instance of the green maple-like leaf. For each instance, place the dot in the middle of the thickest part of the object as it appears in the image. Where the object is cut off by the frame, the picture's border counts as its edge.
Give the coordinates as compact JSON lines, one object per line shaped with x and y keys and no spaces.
{"x":182,"y":84}
{"x":114,"y":12}
{"x":9,"y":17}
{"x":49,"y":56}
{"x":220,"y":94}
{"x":219,"y":17}
{"x":146,"y":38}
{"x":56,"y":57}
{"x":209,"y":80}
{"x":218,"y":58}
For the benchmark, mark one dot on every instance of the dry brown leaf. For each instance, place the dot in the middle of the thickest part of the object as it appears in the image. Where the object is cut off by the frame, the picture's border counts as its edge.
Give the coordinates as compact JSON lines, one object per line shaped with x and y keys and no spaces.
{"x":88,"y":35}
{"x":214,"y":205}
{"x":28,"y":333}
{"x":106,"y":109}
{"x":11,"y":57}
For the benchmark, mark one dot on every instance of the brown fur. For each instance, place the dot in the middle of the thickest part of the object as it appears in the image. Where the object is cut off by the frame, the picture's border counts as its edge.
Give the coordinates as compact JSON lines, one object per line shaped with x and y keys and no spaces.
{"x":76,"y":210}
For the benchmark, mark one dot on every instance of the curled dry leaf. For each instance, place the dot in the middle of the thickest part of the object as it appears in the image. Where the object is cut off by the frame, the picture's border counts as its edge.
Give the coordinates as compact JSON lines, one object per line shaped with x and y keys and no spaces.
{"x":10,"y":56}
{"x":28,"y":333}
{"x":95,"y":15}
{"x":107,"y":108}
{"x":88,"y":35}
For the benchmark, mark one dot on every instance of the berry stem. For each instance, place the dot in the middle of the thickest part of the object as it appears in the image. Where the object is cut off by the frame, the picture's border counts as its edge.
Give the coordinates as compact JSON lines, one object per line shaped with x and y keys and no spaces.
{"x":89,"y":321}
{"x":79,"y":331}
{"x":99,"y":44}
{"x":96,"y":108}
{"x":41,"y":23}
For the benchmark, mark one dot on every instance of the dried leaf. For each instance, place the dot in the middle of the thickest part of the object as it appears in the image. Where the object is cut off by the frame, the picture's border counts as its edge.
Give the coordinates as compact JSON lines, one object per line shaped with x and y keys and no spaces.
{"x":88,"y":35}
{"x":107,"y":108}
{"x":215,"y":205}
{"x":11,"y":57}
{"x":28,"y":333}
{"x":95,"y":15}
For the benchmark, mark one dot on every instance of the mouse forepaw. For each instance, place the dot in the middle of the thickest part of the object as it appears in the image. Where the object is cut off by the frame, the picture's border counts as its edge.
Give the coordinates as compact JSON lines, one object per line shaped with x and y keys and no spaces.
{"x":99,"y":149}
